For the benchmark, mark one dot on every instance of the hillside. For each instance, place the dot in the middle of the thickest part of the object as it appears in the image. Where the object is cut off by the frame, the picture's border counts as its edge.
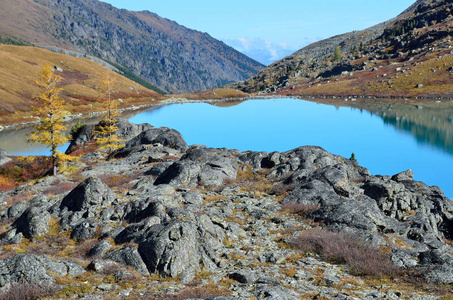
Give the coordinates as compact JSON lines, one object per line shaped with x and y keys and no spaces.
{"x":409,"y":56}
{"x":19,"y":66}
{"x":167,"y":55}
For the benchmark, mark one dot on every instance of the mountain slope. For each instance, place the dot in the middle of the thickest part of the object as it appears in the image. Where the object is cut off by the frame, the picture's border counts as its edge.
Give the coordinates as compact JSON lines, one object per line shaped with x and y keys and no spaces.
{"x":407,"y":56}
{"x":19,"y":67}
{"x":169,"y":56}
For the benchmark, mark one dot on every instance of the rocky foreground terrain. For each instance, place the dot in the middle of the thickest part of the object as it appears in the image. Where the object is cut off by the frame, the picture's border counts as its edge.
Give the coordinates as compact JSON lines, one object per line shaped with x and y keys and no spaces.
{"x":159,"y":219}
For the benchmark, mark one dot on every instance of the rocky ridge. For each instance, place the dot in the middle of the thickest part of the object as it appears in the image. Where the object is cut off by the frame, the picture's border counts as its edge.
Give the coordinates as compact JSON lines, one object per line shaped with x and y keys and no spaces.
{"x":408,"y":56}
{"x":160,"y":220}
{"x":171,"y":57}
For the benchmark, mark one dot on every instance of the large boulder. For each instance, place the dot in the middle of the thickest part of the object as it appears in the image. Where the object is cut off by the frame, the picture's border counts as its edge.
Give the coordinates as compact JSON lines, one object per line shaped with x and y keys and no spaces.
{"x":33,"y":268}
{"x":128,"y":256}
{"x":33,"y":222}
{"x":164,"y":136}
{"x":181,"y":247}
{"x":201,"y":165}
{"x":126,"y":131}
{"x":170,"y":250}
{"x":80,"y":138}
{"x":88,"y":195}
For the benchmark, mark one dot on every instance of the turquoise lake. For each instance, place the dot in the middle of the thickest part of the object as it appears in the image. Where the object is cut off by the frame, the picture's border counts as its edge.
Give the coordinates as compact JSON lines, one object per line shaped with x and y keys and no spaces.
{"x":386,"y":138}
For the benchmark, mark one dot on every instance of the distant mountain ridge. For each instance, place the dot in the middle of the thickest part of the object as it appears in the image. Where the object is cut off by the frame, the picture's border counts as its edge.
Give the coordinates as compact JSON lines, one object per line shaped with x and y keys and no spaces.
{"x":407,"y":56}
{"x":169,"y":56}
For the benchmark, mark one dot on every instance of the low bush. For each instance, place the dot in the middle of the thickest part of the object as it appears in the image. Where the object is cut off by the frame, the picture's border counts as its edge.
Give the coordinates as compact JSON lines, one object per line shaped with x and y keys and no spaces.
{"x":6,"y":184}
{"x":28,"y":291}
{"x":59,"y":187}
{"x":22,"y":170}
{"x":303,"y":210}
{"x":118,"y":181}
{"x":361,"y":256}
{"x":282,"y":188}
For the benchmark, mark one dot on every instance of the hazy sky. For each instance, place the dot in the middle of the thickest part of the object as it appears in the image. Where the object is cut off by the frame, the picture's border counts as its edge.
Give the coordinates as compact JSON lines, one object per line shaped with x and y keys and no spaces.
{"x":272,"y":25}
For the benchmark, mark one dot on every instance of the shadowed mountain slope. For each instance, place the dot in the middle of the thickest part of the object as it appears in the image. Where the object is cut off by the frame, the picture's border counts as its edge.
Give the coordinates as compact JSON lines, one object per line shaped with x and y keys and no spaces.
{"x":167,"y":55}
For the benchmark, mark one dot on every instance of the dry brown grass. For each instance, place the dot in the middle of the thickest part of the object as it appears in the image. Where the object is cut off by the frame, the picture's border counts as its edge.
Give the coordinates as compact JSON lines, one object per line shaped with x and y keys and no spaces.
{"x":346,"y":248}
{"x":432,"y":71}
{"x":302,"y":210}
{"x":220,"y":93}
{"x":19,"y":67}
{"x":121,"y":182}
{"x":28,"y":291}
{"x":254,"y":182}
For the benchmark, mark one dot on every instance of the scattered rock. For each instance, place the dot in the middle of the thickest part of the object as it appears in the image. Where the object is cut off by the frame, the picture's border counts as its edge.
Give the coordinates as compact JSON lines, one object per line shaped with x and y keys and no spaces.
{"x":4,"y":158}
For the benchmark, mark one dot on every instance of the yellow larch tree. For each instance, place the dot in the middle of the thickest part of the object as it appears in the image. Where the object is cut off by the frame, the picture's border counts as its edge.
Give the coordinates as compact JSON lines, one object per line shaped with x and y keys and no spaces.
{"x":51,"y":129}
{"x":105,"y":133}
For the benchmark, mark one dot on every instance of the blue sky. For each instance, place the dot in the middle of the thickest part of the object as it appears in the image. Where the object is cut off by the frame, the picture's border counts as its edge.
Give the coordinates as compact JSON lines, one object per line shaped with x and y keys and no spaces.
{"x":274,"y":27}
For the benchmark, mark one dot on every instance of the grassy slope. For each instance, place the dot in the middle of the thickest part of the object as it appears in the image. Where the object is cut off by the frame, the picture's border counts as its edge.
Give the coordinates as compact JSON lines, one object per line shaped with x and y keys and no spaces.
{"x":82,"y":78}
{"x":393,"y":78}
{"x":411,"y":58}
{"x":220,"y":93}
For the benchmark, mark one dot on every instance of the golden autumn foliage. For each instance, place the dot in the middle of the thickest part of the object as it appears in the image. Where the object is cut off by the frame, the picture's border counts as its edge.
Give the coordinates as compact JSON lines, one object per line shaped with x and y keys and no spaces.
{"x":51,"y":129}
{"x":105,"y":132}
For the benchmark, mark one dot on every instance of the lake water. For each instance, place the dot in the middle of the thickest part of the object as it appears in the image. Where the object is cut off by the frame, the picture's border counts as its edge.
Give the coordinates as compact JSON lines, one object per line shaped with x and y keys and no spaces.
{"x":385,"y":138}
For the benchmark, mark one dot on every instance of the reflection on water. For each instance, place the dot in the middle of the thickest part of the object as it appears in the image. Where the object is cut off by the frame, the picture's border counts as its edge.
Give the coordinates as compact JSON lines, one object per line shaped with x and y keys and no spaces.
{"x":429,"y":125}
{"x":386,"y":137}
{"x":15,"y":141}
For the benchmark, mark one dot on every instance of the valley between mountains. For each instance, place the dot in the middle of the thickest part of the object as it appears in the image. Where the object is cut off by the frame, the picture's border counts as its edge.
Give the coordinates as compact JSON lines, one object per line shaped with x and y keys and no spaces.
{"x":157,"y":218}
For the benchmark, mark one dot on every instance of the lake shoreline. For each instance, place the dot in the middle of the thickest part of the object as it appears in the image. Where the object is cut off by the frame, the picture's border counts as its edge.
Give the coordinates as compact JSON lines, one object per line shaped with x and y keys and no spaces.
{"x":331,"y":100}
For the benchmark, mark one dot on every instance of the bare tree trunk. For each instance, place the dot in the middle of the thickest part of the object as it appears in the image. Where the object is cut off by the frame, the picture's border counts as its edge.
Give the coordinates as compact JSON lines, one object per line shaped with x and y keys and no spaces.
{"x":54,"y":162}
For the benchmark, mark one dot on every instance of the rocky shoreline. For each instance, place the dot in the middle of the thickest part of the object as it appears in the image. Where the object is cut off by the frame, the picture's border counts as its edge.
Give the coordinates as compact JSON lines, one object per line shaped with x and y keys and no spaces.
{"x":159,"y":219}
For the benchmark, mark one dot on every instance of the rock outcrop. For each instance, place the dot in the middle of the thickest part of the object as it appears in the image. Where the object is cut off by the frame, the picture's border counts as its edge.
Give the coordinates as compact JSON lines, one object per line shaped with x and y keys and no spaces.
{"x":187,"y":211}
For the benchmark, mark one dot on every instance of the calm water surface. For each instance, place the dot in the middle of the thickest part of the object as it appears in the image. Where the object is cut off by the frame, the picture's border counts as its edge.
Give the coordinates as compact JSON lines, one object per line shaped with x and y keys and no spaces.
{"x":386,"y":139}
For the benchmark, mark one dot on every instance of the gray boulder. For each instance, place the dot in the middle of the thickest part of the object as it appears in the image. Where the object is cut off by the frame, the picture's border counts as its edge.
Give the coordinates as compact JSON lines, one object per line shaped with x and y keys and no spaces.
{"x":12,"y":237}
{"x":172,"y":249}
{"x":4,"y":158}
{"x":260,"y":160}
{"x":180,"y":173}
{"x":100,"y":248}
{"x":135,"y":233}
{"x":89,"y":195}
{"x":104,"y":266}
{"x":139,"y":210}
{"x":33,"y":222}
{"x":83,"y":230}
{"x":200,"y":165}
{"x":180,"y":247}
{"x":128,"y":256}
{"x":163,"y":136}
{"x":440,"y":274}
{"x":84,"y":135}
{"x":33,"y":268}
{"x":16,"y":210}
{"x":275,"y":293}
{"x":126,"y":131}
